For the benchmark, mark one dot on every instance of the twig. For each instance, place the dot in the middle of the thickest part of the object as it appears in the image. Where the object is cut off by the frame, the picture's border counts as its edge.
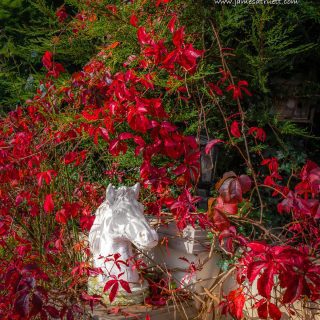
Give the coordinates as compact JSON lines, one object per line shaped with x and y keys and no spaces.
{"x":242,"y":115}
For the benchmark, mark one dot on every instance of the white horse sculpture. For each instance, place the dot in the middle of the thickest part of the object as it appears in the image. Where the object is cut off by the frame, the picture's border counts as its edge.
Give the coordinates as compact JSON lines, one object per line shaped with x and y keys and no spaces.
{"x":120,"y":222}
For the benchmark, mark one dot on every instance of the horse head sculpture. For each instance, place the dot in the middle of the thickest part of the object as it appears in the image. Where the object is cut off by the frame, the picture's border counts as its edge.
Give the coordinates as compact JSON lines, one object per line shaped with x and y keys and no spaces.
{"x":119,"y":223}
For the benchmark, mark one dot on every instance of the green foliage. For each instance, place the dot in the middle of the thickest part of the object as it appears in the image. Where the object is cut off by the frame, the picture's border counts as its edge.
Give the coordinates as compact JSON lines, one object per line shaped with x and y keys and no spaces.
{"x":268,"y":42}
{"x":21,"y":46}
{"x":7,"y":9}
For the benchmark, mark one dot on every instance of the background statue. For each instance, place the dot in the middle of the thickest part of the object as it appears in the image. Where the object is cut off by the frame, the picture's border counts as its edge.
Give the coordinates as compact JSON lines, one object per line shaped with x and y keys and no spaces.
{"x":120,"y":222}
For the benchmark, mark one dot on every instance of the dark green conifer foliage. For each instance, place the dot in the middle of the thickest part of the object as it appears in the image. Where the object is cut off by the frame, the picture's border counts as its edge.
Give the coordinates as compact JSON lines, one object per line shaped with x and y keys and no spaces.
{"x":22,"y":33}
{"x":269,"y":42}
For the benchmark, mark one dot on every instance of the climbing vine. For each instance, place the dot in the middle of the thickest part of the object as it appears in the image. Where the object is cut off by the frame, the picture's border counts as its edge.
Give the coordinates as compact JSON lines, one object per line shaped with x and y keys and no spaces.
{"x":115,"y":121}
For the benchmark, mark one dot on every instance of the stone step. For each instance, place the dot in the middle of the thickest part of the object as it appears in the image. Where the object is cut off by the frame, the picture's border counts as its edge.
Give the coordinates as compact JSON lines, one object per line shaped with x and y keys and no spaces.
{"x":185,"y":311}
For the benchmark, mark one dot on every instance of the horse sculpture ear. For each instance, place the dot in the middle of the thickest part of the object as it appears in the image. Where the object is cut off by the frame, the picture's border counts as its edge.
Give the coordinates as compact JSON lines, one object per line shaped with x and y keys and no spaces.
{"x":136,"y":189}
{"x":110,"y":194}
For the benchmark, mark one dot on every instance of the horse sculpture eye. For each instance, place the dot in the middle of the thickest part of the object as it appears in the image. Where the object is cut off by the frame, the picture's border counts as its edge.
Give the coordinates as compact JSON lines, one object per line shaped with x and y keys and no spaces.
{"x":142,"y":234}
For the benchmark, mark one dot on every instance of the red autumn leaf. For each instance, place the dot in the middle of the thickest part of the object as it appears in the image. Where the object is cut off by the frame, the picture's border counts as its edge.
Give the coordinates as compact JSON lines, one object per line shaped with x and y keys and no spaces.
{"x":228,"y":208}
{"x":263,"y":310}
{"x":231,"y":187}
{"x":218,"y":212}
{"x":47,"y":60}
{"x":134,"y":20}
{"x":229,"y":236}
{"x":258,"y":133}
{"x":178,"y":37}
{"x":61,"y":14}
{"x":274,"y":312}
{"x":109,"y":284}
{"x":5,"y":226}
{"x":125,"y":136}
{"x":137,"y":120}
{"x":237,"y":300}
{"x":54,"y":68}
{"x":52,"y":311}
{"x":171,"y":23}
{"x":171,"y":59}
{"x":188,"y":57}
{"x":104,"y":133}
{"x":272,"y":164}
{"x":48,"y":205}
{"x":266,"y":281}
{"x":75,"y":157}
{"x":294,"y":289}
{"x":254,"y":269}
{"x":219,"y":219}
{"x":215,"y":89}
{"x":245,"y":182}
{"x":307,"y":168}
{"x":112,"y":8}
{"x":91,"y":114}
{"x":70,"y":315}
{"x":235,"y":190}
{"x":125,"y":285}
{"x":235,"y":131}
{"x":180,"y":170}
{"x":167,"y":127}
{"x":162,"y":1}
{"x":173,"y":147}
{"x":46,"y":176}
{"x":138,"y":140}
{"x":314,"y":178}
{"x":22,"y":303}
{"x":238,"y":88}
{"x":143,"y":36}
{"x":86,"y":222}
{"x":224,"y":75}
{"x":116,"y":147}
{"x":62,"y":216}
{"x":37,"y":304}
{"x":211,"y":144}
{"x":258,"y":247}
{"x":113,"y":291}
{"x":268,"y":310}
{"x":22,"y":250}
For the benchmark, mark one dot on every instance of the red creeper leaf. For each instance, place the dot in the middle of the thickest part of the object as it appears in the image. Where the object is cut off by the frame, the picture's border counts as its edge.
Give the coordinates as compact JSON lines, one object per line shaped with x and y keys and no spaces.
{"x":172,"y":23}
{"x":274,"y":312}
{"x":211,"y":144}
{"x":134,"y":20}
{"x":125,"y":285}
{"x":48,"y":205}
{"x":22,"y":303}
{"x":266,"y":281}
{"x":263,"y":311}
{"x":143,"y":36}
{"x":109,"y":284}
{"x":235,"y":131}
{"x":113,"y":291}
